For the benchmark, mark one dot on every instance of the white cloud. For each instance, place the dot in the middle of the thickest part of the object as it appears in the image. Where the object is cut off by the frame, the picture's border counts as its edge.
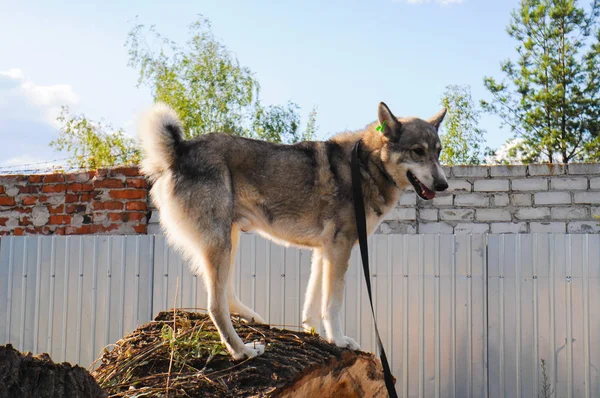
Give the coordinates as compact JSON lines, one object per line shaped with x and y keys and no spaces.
{"x":21,"y":98}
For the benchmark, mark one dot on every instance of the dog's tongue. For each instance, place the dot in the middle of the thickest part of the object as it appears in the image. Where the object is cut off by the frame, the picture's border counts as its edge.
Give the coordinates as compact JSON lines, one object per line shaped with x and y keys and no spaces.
{"x":428,"y":193}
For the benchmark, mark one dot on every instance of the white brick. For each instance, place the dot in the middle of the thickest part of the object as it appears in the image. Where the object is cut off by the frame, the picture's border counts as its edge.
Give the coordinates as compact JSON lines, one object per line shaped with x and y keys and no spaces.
{"x":155,"y":229}
{"x":585,"y":227}
{"x":394,"y":227}
{"x":501,"y":200}
{"x":428,"y":214}
{"x":470,"y":171}
{"x":587,"y":197}
{"x":492,"y":215}
{"x":569,"y":183}
{"x":472,"y":199}
{"x":508,"y":171}
{"x":530,"y":184}
{"x":532,"y":213}
{"x":552,"y":198}
{"x":546,"y":169}
{"x":40,"y":216}
{"x":154,"y":217}
{"x":402,"y":213}
{"x":408,"y":198}
{"x":546,"y":227}
{"x":509,"y":228}
{"x":521,"y":199}
{"x":569,"y":213}
{"x":442,"y":200}
{"x":584,"y":168}
{"x":596,"y":212}
{"x":457,"y":214}
{"x":435,"y":228}
{"x":459,"y":185}
{"x":490,"y":185}
{"x":595,"y":183}
{"x":471,"y":228}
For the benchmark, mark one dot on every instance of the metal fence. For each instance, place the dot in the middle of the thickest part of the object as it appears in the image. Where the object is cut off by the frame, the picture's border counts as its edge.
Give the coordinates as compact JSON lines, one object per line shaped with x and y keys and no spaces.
{"x":460,"y":315}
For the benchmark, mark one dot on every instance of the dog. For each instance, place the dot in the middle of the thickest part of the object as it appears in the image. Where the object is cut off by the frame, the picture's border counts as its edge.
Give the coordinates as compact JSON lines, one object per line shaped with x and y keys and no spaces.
{"x":213,"y":186}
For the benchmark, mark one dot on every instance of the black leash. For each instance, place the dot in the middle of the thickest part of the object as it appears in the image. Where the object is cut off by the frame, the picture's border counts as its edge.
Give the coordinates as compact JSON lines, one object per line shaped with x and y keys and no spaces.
{"x":361,"y":228}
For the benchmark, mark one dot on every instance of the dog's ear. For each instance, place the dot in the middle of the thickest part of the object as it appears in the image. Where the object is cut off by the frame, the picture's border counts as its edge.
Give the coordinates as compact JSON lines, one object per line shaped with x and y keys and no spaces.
{"x":438,"y":119}
{"x":391,"y":127}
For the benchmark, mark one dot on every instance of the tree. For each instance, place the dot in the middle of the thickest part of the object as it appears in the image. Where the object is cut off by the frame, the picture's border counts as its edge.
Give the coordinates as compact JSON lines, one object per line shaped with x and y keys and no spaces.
{"x":551,"y":96}
{"x":93,"y":144}
{"x":461,"y":138}
{"x":208,"y":87}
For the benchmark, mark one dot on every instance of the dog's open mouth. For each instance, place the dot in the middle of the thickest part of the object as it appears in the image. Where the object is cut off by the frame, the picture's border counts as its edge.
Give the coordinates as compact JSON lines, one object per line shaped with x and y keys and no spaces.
{"x":420,"y":188}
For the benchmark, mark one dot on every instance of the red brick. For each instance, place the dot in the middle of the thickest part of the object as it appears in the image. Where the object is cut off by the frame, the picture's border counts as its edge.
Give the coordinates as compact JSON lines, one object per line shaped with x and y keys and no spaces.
{"x":59,"y":231}
{"x":116,"y":217}
{"x":128,"y":194}
{"x":1,"y":189}
{"x":98,"y":229}
{"x":81,"y":177}
{"x":56,"y":209}
{"x":108,"y":205}
{"x":77,"y":187}
{"x":80,"y":208}
{"x":13,"y":178}
{"x":28,"y":200}
{"x":53,"y":178}
{"x":18,"y":231}
{"x":131,"y":171}
{"x":25,"y":221}
{"x":136,"y":183}
{"x":3,"y":221}
{"x":102,"y":172}
{"x":29,"y":189}
{"x":82,"y":230}
{"x":136,"y":216}
{"x":54,"y":188}
{"x":59,"y":220}
{"x":35,"y":179}
{"x":25,"y":210}
{"x":7,"y":201}
{"x":4,"y":233}
{"x":141,"y":229}
{"x":70,"y":198}
{"x":88,"y":197}
{"x":136,"y":206}
{"x":108,"y":183}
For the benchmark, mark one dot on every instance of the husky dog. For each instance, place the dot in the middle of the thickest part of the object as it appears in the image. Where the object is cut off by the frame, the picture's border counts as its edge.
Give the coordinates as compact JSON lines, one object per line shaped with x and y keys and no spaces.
{"x":209,"y":188}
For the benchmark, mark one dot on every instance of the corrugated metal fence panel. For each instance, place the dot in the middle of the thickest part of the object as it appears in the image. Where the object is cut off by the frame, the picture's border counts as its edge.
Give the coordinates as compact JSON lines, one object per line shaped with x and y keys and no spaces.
{"x":544,"y":296}
{"x":444,"y":303}
{"x":72,"y":296}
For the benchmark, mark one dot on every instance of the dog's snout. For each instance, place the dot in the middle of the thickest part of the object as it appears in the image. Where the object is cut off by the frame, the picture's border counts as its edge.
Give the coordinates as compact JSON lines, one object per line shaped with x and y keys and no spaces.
{"x":441,"y":186}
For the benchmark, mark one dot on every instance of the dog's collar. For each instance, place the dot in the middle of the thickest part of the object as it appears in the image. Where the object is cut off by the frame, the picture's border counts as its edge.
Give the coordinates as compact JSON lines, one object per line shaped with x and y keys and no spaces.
{"x":382,"y":170}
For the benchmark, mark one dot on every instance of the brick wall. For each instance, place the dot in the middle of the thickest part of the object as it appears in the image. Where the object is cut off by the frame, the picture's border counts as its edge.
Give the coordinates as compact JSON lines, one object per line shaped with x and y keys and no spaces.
{"x":107,"y":201}
{"x":506,"y":199}
{"x":497,"y":199}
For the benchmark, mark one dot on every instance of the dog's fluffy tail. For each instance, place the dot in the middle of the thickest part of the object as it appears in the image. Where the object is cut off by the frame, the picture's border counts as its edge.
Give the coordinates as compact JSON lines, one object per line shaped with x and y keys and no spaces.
{"x":160,"y":133}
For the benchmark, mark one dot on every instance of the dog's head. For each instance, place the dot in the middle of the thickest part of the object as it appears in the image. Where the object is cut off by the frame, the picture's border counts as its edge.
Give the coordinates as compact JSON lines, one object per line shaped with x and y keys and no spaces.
{"x":411,"y":150}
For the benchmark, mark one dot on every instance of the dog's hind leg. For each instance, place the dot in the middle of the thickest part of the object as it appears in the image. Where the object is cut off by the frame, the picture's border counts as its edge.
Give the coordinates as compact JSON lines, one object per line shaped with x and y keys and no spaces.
{"x":216,"y":277}
{"x":335,"y":264}
{"x":311,"y":313}
{"x":235,"y":305}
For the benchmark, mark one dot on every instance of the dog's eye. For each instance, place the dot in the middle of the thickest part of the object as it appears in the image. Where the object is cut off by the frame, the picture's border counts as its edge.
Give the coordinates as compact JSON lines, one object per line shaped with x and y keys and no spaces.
{"x":419,"y":151}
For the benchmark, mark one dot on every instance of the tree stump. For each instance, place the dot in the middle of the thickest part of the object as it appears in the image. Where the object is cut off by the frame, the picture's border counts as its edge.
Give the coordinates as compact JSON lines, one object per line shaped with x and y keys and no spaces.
{"x":26,"y":376}
{"x":179,"y":354}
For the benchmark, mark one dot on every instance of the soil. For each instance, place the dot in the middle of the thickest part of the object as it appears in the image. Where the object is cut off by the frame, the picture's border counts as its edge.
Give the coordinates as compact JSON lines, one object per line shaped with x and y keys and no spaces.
{"x":27,"y":376}
{"x":155,"y":361}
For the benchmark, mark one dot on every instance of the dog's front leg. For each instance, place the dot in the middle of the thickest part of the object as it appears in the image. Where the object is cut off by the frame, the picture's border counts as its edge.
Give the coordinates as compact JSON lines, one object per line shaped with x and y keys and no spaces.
{"x":335,"y":264}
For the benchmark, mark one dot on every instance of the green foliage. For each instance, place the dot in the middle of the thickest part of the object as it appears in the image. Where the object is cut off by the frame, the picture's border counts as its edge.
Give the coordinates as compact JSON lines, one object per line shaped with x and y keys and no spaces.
{"x":93,"y":144}
{"x":551,"y":95}
{"x":208,"y":87}
{"x":461,"y":139}
{"x":547,"y":390}
{"x":186,"y":343}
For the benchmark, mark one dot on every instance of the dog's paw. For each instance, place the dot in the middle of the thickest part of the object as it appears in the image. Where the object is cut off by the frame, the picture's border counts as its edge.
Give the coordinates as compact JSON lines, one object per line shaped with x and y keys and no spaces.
{"x":250,"y":350}
{"x":346,"y":342}
{"x":254,"y":320}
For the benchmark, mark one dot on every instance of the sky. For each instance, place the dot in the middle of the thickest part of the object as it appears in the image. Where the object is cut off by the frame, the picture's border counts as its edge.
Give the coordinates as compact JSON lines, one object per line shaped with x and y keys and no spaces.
{"x":342,"y":56}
